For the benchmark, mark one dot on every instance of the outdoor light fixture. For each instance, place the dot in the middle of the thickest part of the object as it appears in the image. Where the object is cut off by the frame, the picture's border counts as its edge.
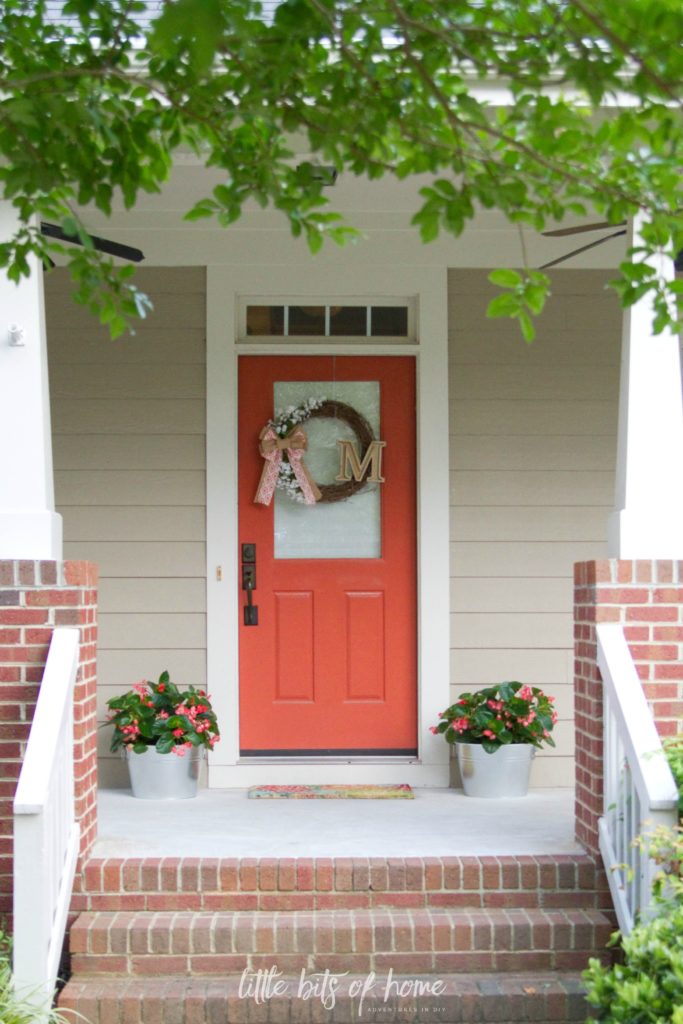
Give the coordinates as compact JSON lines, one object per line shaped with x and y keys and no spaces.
{"x":15,"y":335}
{"x":326,"y":174}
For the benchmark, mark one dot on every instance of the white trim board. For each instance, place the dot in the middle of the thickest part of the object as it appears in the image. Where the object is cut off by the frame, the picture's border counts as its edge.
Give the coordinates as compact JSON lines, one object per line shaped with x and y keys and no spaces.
{"x":225,"y":286}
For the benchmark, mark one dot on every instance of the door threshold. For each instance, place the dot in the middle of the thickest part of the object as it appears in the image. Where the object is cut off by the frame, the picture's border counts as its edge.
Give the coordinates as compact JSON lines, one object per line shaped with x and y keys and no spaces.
{"x":331,"y":759}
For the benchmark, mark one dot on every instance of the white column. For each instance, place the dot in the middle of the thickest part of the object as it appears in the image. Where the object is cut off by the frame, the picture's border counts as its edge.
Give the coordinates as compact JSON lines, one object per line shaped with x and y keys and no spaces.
{"x":29,"y":526}
{"x":648,"y":517}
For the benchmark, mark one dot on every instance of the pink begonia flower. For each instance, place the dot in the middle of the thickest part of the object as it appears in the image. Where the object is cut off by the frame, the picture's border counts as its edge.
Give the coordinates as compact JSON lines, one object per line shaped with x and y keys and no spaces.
{"x":526,"y":693}
{"x":178,"y":732}
{"x":180,"y":751}
{"x":141,"y":688}
{"x":460,"y":724}
{"x":163,"y":714}
{"x":214,"y":740}
{"x":433,"y":729}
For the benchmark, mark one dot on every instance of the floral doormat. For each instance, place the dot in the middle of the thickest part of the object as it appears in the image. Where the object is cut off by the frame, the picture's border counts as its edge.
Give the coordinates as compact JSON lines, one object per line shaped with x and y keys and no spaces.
{"x":399,"y":792}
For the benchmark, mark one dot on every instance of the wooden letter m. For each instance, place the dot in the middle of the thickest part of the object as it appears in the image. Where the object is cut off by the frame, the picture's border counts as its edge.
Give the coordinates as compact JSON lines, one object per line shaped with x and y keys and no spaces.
{"x":350,"y":464}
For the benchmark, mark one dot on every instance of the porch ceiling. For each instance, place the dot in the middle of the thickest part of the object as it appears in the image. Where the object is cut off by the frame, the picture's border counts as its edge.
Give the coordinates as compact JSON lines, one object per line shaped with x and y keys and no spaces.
{"x":381,"y":209}
{"x":225,"y":823}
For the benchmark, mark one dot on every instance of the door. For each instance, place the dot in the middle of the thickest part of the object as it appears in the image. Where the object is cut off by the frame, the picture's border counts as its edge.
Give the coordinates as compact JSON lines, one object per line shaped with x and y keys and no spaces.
{"x":330,"y":667}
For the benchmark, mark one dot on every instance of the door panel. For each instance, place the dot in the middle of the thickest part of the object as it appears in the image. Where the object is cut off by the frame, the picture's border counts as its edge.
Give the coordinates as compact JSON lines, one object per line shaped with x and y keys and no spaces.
{"x":331,"y":666}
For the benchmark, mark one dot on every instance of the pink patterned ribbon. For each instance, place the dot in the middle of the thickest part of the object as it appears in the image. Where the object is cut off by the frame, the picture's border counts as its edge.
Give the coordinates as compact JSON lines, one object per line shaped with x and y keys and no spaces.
{"x":271,"y":448}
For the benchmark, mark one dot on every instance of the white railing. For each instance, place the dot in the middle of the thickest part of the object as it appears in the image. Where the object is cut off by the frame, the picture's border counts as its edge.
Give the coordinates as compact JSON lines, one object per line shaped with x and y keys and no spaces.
{"x":640,"y":793}
{"x":46,"y":833}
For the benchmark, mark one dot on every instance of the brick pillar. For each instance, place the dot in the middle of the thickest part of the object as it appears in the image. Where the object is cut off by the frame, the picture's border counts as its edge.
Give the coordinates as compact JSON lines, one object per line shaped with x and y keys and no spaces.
{"x":34,"y":598}
{"x":646,"y":597}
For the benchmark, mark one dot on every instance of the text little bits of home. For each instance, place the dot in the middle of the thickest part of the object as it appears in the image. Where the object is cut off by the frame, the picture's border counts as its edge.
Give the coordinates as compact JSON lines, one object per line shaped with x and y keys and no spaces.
{"x":325,"y":986}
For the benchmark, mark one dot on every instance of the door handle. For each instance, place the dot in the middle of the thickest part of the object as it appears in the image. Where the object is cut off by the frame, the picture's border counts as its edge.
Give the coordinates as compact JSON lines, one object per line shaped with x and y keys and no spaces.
{"x":249,"y":584}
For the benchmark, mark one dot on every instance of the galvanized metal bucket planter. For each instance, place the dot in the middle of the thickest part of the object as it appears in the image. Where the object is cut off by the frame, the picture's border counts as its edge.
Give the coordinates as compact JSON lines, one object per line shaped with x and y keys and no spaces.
{"x":505,"y":773}
{"x":155,"y":776}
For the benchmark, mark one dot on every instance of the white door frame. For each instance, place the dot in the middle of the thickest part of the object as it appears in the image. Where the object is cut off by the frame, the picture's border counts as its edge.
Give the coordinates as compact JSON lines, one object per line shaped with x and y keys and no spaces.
{"x":428,"y":288}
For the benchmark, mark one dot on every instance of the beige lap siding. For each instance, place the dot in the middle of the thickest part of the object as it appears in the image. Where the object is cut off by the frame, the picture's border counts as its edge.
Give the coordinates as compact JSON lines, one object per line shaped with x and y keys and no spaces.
{"x":128,"y":419}
{"x":532,"y":447}
{"x":532,"y":461}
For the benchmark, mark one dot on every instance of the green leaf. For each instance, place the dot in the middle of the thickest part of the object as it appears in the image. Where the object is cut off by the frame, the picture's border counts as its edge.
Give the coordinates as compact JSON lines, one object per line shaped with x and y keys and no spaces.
{"x":505,"y":278}
{"x":503,"y":305}
{"x":527,"y":326}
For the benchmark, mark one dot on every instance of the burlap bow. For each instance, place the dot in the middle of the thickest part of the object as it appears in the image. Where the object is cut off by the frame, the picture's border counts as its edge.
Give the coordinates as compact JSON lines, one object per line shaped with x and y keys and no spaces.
{"x":271,"y":448}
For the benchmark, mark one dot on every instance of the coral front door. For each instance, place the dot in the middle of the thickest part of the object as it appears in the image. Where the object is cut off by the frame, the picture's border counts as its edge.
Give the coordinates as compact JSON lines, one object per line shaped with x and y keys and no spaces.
{"x":328,"y":661}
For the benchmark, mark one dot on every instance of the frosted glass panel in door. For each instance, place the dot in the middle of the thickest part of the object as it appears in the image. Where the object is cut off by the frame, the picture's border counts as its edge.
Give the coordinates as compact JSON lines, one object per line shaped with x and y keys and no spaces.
{"x":342,"y":529}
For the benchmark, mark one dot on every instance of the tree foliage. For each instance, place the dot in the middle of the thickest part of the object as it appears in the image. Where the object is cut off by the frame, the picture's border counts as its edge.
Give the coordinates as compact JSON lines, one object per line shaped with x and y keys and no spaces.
{"x":591,"y":122}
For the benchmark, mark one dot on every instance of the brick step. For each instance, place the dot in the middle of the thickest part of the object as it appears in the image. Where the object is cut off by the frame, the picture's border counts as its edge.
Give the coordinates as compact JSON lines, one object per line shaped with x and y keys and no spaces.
{"x":418,"y":941}
{"x":269,"y":884}
{"x":539,"y":996}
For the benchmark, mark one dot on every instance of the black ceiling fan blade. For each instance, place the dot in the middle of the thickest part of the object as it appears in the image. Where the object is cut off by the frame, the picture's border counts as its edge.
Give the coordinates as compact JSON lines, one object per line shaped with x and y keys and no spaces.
{"x":583,"y":248}
{"x":124,"y":252}
{"x":564,"y":232}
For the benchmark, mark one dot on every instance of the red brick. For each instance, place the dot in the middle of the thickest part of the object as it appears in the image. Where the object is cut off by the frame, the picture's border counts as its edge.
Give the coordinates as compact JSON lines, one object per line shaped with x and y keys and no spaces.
{"x":433,"y":869}
{"x":471,"y":873}
{"x":608,"y":613}
{"x":668,"y":709}
{"x":248,"y":874}
{"x":668,"y":632}
{"x":267,"y":874}
{"x":624,"y":571}
{"x":52,"y":598}
{"x":379,"y":874}
{"x":668,"y":671}
{"x":68,"y":616}
{"x":305,"y":874}
{"x":665,"y":571}
{"x":324,"y":874}
{"x":653,"y":613}
{"x":287,"y":875}
{"x":654,"y":652}
{"x":637,"y":633}
{"x":667,"y":728}
{"x":398,"y":899}
{"x":286,"y":901}
{"x":623,"y":595}
{"x":27,"y":573}
{"x":81,"y":573}
{"x":48,"y":573}
{"x":342,"y":900}
{"x":397,"y":873}
{"x":228,"y":875}
{"x":38,"y":636}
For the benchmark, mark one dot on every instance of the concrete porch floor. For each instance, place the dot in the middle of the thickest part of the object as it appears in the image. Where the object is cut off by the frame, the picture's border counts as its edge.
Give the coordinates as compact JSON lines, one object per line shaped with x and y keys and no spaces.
{"x":224,"y":823}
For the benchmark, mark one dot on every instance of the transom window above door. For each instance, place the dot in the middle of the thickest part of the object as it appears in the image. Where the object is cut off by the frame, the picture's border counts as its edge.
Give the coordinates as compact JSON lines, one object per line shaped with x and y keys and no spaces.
{"x":382,"y":321}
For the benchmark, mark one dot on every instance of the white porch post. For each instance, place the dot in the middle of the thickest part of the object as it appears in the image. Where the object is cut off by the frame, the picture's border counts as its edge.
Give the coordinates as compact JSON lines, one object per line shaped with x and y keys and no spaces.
{"x":648,"y":518}
{"x":29,"y":526}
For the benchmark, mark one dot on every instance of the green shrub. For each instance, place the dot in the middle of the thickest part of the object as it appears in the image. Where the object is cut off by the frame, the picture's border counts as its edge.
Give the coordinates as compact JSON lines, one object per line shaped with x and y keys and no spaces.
{"x":12,"y":1009}
{"x":673,"y":748}
{"x":647,"y":988}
